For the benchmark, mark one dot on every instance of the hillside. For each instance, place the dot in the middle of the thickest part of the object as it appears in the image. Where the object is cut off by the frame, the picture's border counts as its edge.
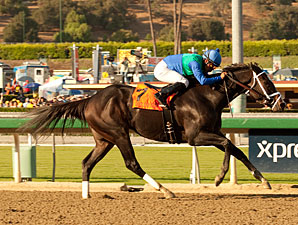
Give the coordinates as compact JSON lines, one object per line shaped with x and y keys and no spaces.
{"x":191,"y":9}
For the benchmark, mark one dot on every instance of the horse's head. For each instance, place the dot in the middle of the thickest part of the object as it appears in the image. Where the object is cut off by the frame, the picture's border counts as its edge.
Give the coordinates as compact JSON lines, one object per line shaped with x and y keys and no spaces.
{"x":255,"y":82}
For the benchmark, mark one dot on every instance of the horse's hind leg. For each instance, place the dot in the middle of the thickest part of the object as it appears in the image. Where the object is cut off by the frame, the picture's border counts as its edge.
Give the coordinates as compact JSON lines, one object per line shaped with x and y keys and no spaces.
{"x":126,"y":149}
{"x":101,"y":148}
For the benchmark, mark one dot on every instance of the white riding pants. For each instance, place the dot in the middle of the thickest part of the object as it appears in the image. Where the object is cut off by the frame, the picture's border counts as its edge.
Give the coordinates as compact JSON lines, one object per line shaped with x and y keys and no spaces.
{"x":164,"y":74}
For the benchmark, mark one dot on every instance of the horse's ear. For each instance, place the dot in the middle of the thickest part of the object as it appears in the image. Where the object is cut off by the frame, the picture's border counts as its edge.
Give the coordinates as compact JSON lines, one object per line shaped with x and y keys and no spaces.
{"x":255,"y":67}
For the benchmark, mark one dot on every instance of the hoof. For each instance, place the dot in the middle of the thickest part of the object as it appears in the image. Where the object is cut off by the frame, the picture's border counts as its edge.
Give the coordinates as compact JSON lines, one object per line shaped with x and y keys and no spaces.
{"x":218,"y":181}
{"x":266,"y":184}
{"x":167,"y":194}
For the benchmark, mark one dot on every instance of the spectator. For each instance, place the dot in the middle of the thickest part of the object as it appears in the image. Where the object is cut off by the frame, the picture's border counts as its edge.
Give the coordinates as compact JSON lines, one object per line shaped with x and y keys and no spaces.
{"x":1,"y":100}
{"x":290,"y":106}
{"x":8,"y":89}
{"x":80,"y":97}
{"x":35,"y":96}
{"x":26,"y":90}
{"x":21,"y":96}
{"x":14,"y":84}
{"x":27,"y":101}
{"x":13,"y":103}
{"x":17,"y":89}
{"x":73,"y":99}
{"x":61,"y":98}
{"x":30,"y":104}
{"x":124,"y":70}
{"x":19,"y":104}
{"x":41,"y":101}
{"x":6,"y":104}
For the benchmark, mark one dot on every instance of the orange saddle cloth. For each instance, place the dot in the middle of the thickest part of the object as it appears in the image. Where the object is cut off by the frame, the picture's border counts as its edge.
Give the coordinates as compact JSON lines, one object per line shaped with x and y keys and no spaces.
{"x":143,"y":98}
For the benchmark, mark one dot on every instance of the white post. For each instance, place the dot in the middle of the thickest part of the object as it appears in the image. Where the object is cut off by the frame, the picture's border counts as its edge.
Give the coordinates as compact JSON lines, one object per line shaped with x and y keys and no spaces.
{"x":195,"y":171}
{"x":18,"y":178}
{"x":30,"y":139}
{"x":85,"y":189}
{"x":54,"y":157}
{"x":233,"y":174}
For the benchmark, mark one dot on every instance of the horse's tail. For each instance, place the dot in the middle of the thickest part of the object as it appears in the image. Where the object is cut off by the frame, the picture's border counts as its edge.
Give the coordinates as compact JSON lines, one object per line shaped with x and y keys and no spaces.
{"x":47,"y":117}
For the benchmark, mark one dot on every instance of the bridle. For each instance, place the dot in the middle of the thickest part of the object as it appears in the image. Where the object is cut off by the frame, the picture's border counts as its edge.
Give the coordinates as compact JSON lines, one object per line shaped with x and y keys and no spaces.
{"x":268,"y":99}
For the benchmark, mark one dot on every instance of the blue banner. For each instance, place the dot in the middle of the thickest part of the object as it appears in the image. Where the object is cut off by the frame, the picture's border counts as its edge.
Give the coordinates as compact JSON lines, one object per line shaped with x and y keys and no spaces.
{"x":274,"y":151}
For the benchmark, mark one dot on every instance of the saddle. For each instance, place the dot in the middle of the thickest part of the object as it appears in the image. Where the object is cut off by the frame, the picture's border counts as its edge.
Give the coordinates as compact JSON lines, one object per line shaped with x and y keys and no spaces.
{"x":143,"y":98}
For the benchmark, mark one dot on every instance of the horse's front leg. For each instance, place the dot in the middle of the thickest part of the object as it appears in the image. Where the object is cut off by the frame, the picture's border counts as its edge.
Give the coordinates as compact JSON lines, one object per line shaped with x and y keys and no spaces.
{"x":254,"y":171}
{"x":238,"y":154}
{"x":217,"y":140}
{"x":224,"y":169}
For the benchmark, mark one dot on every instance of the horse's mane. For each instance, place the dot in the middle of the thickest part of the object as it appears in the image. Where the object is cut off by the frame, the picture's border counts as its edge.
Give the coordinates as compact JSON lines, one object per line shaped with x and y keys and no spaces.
{"x":240,"y":66}
{"x":236,"y":67}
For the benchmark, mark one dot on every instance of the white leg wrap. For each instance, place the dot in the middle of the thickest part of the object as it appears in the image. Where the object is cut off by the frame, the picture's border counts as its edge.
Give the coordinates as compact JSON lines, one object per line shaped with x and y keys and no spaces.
{"x":151,"y":181}
{"x":85,"y":189}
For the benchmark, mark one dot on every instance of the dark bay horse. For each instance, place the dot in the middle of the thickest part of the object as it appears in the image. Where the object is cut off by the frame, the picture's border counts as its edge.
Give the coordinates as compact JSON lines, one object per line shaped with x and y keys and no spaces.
{"x":197,"y":111}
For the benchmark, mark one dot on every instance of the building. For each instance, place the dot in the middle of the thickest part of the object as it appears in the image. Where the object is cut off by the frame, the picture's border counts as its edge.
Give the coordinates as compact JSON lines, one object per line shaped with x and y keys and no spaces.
{"x":35,"y":70}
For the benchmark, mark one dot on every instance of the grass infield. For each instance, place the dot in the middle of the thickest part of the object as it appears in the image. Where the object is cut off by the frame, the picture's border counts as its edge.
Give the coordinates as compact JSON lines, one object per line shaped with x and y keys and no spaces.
{"x":165,"y":164}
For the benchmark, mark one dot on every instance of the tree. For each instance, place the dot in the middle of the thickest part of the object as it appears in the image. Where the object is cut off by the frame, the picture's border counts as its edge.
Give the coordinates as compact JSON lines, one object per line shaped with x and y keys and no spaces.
{"x":220,"y":8}
{"x":151,"y":27}
{"x":167,"y":34}
{"x":159,"y":12}
{"x":282,"y":24}
{"x":48,"y":14}
{"x":177,"y":25}
{"x":284,"y":2}
{"x":110,"y":15}
{"x":206,"y":30}
{"x":265,"y":29}
{"x":22,"y":28}
{"x":287,"y":19}
{"x":123,"y":35}
{"x":263,"y":5}
{"x":76,"y":28}
{"x":12,"y":7}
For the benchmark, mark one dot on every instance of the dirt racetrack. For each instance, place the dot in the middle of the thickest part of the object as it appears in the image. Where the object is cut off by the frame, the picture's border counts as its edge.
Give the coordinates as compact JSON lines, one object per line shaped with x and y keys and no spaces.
{"x":61,"y":203}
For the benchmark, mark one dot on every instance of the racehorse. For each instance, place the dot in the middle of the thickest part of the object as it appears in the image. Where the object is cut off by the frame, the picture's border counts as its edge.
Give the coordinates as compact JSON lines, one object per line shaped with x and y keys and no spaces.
{"x":197,"y":112}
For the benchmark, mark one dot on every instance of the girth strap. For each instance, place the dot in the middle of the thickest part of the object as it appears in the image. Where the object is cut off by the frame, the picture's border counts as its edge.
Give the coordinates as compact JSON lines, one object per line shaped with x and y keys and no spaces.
{"x":169,"y":125}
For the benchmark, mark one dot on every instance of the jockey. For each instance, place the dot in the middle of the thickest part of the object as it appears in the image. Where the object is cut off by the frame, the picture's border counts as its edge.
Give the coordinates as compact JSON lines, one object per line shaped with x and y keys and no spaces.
{"x":175,"y":68}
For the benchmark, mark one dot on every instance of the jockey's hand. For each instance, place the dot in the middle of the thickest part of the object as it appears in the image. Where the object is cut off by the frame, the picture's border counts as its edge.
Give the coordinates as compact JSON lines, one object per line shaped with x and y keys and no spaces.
{"x":223,"y":74}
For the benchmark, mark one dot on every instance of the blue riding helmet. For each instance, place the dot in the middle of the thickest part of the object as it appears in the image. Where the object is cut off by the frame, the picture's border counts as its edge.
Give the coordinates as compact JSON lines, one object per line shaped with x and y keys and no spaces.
{"x":213,"y":56}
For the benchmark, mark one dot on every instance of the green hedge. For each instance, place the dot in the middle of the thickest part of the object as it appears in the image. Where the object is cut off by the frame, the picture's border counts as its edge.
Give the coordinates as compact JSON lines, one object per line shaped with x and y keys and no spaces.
{"x":59,"y":51}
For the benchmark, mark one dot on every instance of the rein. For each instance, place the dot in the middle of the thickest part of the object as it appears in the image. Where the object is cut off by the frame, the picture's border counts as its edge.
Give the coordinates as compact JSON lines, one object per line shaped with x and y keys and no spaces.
{"x":249,"y":89}
{"x":265,"y":96}
{"x":229,"y":104}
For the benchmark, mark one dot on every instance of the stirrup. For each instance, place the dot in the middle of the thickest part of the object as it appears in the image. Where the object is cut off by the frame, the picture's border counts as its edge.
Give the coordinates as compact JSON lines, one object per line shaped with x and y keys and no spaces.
{"x":162,"y":102}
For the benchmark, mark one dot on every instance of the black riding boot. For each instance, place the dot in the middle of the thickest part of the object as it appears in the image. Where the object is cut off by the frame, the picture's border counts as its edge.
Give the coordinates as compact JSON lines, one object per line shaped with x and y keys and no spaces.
{"x":167,"y":91}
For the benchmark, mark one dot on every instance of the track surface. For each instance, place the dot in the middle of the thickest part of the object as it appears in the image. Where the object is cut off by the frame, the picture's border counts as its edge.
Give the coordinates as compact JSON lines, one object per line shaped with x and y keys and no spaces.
{"x":43,"y":203}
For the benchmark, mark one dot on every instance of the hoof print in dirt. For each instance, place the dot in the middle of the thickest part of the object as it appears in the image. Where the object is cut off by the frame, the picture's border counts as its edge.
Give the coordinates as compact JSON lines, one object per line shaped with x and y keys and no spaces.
{"x":107,"y":197}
